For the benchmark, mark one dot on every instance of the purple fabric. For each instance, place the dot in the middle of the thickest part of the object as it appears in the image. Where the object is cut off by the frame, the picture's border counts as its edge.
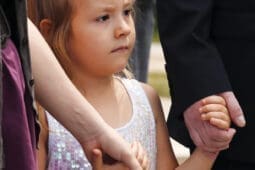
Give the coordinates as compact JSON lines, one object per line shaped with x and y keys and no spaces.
{"x":18,"y":121}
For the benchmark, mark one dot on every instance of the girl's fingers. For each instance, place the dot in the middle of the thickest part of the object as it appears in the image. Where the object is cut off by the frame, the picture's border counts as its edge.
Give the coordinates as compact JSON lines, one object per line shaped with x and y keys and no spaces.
{"x":141,"y":155}
{"x":213,"y":108}
{"x":220,"y":123}
{"x":134,"y":148}
{"x":219,"y":119}
{"x":214,"y":100}
{"x":145,"y":164}
{"x":97,"y":159}
{"x":218,"y":115}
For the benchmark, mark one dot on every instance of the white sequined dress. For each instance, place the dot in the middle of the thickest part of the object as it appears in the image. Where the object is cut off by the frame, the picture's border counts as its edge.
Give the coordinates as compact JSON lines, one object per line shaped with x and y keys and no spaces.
{"x":64,"y":151}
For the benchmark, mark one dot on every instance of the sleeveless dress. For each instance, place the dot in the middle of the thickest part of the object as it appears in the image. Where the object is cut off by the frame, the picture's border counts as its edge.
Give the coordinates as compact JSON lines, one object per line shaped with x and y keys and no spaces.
{"x":64,"y":151}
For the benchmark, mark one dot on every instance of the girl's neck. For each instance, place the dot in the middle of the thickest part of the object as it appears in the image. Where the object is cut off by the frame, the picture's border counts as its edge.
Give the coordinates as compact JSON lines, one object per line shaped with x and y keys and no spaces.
{"x":92,"y":85}
{"x":107,"y":95}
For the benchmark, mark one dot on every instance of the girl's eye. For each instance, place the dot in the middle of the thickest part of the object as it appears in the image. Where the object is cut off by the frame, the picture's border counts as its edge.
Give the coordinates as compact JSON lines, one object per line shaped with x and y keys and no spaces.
{"x":103,"y":18}
{"x":128,"y":12}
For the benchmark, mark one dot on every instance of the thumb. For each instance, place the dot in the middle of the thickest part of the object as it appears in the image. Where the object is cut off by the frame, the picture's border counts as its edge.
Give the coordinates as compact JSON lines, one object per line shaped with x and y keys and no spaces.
{"x":97,"y":159}
{"x":230,"y":133}
{"x":234,"y":108}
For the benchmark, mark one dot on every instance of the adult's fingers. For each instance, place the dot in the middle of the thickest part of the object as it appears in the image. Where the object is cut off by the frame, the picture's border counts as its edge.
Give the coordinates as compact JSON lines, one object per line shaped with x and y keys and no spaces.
{"x":216,"y":134}
{"x":213,"y":138}
{"x":234,"y":109}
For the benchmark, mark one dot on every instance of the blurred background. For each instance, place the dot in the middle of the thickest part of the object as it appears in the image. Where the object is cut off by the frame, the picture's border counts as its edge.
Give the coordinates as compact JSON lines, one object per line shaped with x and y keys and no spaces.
{"x":158,"y":80}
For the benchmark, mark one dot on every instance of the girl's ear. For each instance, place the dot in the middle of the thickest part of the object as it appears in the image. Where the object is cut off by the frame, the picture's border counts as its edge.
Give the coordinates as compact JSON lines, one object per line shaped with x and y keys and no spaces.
{"x":45,"y":28}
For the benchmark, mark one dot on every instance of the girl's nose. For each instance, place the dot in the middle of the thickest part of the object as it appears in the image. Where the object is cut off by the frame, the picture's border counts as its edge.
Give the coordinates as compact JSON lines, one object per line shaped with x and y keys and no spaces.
{"x":123,"y":28}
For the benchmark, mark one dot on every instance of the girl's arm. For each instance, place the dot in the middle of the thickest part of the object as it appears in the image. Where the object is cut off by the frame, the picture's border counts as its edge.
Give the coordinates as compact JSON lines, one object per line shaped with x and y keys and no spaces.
{"x":166,"y":159}
{"x":198,"y":160}
{"x":214,"y":110}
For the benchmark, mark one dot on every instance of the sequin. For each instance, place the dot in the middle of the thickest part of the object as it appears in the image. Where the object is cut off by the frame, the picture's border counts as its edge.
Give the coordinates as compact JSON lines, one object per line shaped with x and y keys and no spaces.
{"x":65,"y":153}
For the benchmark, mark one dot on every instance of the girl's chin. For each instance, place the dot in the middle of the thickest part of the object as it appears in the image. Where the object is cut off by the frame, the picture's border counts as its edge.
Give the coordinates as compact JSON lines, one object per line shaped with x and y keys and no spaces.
{"x":120,"y":69}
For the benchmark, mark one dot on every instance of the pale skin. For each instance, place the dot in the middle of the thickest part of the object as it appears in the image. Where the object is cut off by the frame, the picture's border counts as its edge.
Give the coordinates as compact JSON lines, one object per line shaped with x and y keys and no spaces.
{"x":101,"y":41}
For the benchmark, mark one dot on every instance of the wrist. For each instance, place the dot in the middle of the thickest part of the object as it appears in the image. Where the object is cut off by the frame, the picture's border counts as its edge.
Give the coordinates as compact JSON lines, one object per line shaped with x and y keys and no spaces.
{"x":208,"y":155}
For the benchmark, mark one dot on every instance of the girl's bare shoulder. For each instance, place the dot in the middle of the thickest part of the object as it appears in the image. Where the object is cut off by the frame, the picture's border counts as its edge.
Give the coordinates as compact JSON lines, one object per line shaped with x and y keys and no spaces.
{"x":153,"y":98}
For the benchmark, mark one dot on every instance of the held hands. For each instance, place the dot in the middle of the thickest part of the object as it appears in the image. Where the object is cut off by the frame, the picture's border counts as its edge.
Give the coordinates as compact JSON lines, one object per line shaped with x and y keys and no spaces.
{"x":214,"y":110}
{"x":214,"y":135}
{"x":112,"y":144}
{"x":140,"y":155}
{"x":136,"y":147}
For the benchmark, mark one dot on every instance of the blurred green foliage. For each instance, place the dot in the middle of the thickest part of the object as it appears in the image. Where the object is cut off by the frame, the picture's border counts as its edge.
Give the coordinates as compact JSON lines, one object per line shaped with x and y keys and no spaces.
{"x":159,"y":82}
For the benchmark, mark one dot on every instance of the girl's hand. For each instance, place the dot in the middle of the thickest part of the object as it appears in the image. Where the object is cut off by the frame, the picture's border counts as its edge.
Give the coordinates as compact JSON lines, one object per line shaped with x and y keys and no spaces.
{"x":98,"y":163}
{"x":140,"y":155}
{"x":215,"y":111}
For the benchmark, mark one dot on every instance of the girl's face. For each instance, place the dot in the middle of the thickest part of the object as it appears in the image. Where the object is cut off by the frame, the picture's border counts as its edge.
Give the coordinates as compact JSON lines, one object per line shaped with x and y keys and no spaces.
{"x":102,"y":35}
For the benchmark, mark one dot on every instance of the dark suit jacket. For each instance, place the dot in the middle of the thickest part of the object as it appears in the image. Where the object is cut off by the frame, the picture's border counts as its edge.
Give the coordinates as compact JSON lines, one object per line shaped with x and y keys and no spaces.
{"x":209,"y":47}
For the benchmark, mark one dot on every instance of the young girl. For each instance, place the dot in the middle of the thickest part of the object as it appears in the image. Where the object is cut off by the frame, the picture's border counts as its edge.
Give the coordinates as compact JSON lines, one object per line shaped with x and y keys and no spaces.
{"x":93,"y":40}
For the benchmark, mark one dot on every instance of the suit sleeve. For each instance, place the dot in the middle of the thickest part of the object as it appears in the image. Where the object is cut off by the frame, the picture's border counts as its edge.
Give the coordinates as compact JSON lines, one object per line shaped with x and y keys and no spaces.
{"x":193,"y":64}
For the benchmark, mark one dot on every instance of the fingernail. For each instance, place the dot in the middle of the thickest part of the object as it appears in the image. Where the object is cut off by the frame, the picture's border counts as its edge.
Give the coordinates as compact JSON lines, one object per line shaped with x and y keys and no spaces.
{"x":203,"y":116}
{"x":240,"y":121}
{"x":200,"y":110}
{"x":203,"y":101}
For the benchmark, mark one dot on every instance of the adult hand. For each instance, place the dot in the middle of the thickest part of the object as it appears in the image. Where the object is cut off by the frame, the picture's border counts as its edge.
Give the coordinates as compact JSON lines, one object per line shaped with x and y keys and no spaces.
{"x":113,"y":145}
{"x":234,"y":108}
{"x":204,"y":135}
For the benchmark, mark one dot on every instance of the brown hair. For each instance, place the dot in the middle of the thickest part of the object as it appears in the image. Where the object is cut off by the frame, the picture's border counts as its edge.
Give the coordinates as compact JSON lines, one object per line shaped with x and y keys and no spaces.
{"x":60,"y":14}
